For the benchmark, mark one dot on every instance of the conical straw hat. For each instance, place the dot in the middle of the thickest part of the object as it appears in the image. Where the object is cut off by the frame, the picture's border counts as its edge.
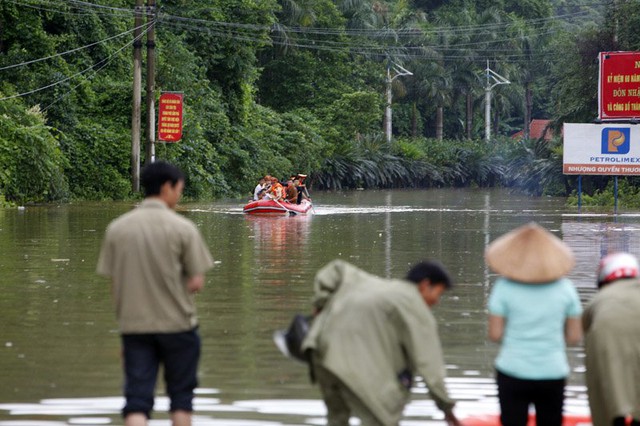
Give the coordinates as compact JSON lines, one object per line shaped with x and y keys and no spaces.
{"x":530,"y":254}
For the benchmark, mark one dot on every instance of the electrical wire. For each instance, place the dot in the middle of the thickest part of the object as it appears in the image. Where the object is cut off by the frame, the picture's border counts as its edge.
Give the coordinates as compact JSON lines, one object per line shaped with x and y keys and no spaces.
{"x":86,"y":6}
{"x":248,"y":33}
{"x":96,"y":71}
{"x":358,"y":48}
{"x":353,"y":44}
{"x":99,"y":6}
{"x":368,"y":32}
{"x":102,"y":62}
{"x":36,"y":7}
{"x":83,"y":7}
{"x":73,"y":50}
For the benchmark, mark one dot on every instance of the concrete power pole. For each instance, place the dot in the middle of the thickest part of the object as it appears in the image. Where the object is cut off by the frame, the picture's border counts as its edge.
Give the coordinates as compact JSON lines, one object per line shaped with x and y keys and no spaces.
{"x":497,"y":79}
{"x":398,"y":72}
{"x":137,"y":86}
{"x":151,"y":83}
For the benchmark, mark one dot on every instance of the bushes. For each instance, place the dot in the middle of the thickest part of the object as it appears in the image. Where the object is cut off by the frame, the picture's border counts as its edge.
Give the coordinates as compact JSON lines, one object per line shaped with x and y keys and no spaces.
{"x":628,"y":194}
{"x":31,"y":163}
{"x":535,"y":167}
{"x":98,"y":161}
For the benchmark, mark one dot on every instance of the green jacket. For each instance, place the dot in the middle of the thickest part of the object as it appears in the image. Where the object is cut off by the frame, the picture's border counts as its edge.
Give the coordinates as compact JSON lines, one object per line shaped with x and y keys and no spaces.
{"x":612,"y":346}
{"x":369,"y":330}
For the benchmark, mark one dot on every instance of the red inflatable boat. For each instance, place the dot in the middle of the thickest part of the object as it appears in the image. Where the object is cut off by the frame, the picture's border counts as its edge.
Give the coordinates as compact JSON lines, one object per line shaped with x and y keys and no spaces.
{"x":272,"y":207}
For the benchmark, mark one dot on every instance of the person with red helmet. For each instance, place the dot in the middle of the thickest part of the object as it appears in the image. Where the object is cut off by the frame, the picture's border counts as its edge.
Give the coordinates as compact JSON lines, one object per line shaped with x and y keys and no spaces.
{"x":611,"y":323}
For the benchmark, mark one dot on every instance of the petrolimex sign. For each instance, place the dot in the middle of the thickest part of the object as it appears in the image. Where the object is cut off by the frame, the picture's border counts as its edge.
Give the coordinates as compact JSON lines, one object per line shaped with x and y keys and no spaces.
{"x":601,"y":149}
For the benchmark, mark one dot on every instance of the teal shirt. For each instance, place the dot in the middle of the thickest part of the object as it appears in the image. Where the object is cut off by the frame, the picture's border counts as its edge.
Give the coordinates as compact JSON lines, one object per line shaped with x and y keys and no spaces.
{"x":533,"y":345}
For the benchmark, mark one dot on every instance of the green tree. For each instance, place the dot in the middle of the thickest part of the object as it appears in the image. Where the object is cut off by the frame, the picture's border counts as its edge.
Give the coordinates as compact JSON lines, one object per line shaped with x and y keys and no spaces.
{"x":31,"y":162}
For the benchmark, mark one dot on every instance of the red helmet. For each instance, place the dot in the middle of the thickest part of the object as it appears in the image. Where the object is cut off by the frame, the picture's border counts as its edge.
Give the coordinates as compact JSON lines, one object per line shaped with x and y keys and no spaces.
{"x":616,"y":266}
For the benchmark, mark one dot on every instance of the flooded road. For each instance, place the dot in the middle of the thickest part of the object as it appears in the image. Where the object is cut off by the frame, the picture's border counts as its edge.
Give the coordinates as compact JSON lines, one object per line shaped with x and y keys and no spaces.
{"x":60,"y":350}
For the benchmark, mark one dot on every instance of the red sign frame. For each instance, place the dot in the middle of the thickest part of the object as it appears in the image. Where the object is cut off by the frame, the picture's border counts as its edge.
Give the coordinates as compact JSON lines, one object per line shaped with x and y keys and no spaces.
{"x":170,"y":117}
{"x":619,"y":86}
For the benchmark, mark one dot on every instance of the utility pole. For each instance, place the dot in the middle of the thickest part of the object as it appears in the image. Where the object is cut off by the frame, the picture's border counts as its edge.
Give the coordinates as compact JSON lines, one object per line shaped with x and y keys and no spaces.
{"x":398,"y":72}
{"x":151,"y":83}
{"x":497,"y":79}
{"x":137,"y":85}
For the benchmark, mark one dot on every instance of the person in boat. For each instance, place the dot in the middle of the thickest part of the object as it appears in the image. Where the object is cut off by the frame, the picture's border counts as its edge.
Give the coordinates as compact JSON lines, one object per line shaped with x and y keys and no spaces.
{"x":303,"y":194}
{"x":258,"y":191}
{"x":291,"y":192}
{"x":534,"y":311}
{"x":275,"y":191}
{"x":368,"y":338}
{"x":611,"y":324}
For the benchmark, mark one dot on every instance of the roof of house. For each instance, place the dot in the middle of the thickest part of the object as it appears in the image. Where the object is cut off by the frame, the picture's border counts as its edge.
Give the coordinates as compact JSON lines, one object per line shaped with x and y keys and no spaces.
{"x":538,"y":129}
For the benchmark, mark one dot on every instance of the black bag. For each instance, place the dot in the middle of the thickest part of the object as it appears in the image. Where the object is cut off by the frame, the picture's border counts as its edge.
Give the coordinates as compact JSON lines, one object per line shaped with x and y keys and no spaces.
{"x":290,"y":341}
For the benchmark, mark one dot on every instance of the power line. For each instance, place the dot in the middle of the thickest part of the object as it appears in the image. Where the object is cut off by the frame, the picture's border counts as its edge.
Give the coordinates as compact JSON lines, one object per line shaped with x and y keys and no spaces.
{"x":70,"y":51}
{"x":102,"y":64}
{"x":37,"y":7}
{"x":357,"y":46}
{"x":368,"y":32}
{"x":263,"y":34}
{"x":84,"y":8}
{"x":98,"y":6}
{"x":247,"y":32}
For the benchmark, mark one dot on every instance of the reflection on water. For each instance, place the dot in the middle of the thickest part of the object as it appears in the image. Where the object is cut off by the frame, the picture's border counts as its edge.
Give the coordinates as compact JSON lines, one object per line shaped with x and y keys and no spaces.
{"x":59,"y":348}
{"x":475,"y":395}
{"x":278,"y":239}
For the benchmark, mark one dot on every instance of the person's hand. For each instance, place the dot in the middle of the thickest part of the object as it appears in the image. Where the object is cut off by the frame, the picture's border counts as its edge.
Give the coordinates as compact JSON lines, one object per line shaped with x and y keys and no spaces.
{"x":451,"y":419}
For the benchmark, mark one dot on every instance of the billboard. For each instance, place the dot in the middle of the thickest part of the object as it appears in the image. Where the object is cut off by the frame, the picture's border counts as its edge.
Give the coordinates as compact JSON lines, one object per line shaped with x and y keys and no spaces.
{"x":170,"y":117}
{"x":601,"y":149}
{"x":619,"y":86}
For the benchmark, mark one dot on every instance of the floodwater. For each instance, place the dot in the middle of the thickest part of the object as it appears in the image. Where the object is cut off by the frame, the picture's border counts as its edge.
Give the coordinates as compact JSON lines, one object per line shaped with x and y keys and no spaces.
{"x":59,"y":347}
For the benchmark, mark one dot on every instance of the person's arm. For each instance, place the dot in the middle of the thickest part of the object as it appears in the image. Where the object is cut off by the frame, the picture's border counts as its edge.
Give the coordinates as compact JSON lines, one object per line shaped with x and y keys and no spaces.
{"x":196,"y":260}
{"x":195,"y":283}
{"x":587,"y":318}
{"x":451,"y":419}
{"x":573,"y":330}
{"x":496,"y":328}
{"x":419,"y":338}
{"x":573,"y":323}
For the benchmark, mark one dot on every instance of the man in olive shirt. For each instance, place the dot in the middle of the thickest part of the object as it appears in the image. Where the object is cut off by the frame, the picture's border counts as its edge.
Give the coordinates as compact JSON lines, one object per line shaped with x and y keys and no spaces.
{"x":156,"y":260}
{"x":369,"y":337}
{"x":611,"y":322}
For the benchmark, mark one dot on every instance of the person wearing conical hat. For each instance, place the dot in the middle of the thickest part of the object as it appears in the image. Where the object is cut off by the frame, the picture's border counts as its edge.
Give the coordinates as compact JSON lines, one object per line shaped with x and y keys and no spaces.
{"x":611,"y":324}
{"x":534,"y":311}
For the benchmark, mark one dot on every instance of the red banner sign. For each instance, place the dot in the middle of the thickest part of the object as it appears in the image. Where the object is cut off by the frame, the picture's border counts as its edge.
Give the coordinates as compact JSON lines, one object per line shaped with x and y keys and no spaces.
{"x":619,"y":89}
{"x":170,"y":117}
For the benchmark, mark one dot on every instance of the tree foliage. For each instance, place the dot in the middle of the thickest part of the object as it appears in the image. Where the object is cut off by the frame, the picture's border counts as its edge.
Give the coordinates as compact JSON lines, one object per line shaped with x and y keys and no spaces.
{"x":286,"y":86}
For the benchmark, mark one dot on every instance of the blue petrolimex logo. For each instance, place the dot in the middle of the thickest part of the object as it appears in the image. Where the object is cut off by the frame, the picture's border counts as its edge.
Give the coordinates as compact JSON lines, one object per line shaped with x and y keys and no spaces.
{"x":616,"y":140}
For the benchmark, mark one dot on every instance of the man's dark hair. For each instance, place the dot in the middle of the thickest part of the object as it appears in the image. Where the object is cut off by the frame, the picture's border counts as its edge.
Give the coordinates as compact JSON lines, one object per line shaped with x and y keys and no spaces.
{"x":157,"y":174}
{"x":430,"y":270}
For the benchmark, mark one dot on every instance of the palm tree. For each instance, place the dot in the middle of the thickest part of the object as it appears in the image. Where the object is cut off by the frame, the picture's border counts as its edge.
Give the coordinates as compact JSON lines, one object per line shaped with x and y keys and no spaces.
{"x":530,"y":43}
{"x":466,"y":38}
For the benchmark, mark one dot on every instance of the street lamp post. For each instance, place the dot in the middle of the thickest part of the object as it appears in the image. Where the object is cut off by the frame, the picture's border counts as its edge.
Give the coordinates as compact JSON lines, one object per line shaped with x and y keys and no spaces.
{"x":398,"y":72}
{"x":497,"y":79}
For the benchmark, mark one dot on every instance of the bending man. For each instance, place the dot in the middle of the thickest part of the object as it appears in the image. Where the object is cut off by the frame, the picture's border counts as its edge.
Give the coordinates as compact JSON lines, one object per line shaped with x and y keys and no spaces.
{"x":369,"y":337}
